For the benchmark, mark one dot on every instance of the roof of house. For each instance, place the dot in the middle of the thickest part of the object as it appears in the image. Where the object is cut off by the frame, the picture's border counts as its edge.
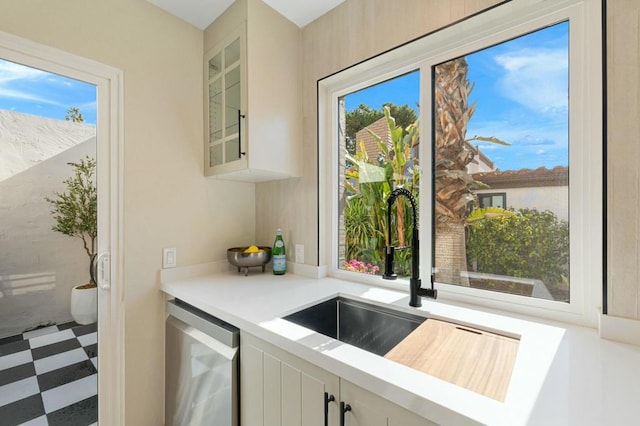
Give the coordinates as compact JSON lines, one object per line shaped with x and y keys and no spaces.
{"x":525,"y":178}
{"x":380,"y":128}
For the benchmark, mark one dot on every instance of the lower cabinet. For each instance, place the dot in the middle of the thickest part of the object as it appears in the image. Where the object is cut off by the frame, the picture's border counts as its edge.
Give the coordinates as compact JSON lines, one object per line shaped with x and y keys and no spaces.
{"x":280,"y":389}
{"x":368,"y":409}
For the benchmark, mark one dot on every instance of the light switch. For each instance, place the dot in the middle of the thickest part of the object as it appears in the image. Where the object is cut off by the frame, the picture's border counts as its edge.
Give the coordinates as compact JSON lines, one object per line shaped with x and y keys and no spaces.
{"x":168,"y":257}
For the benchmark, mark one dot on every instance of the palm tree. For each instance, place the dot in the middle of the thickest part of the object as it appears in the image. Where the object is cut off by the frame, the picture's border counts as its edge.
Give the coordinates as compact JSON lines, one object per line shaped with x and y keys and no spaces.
{"x":453,"y":185}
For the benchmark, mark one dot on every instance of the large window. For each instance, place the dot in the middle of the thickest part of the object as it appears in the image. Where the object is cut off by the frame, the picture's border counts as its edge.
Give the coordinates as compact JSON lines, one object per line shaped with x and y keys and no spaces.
{"x":503,"y":156}
{"x":509,"y":102}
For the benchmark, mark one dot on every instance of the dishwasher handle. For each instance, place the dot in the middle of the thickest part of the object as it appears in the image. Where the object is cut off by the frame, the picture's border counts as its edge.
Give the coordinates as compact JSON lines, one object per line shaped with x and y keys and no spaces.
{"x":210,"y":325}
{"x":225,"y":351}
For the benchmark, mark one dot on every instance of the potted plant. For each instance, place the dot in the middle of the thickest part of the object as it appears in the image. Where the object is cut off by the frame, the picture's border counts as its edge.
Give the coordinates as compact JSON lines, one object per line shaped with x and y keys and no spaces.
{"x":75,"y":214}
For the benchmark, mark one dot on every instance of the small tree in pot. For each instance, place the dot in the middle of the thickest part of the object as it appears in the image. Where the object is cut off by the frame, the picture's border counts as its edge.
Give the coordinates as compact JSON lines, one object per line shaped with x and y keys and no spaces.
{"x":75,"y":213}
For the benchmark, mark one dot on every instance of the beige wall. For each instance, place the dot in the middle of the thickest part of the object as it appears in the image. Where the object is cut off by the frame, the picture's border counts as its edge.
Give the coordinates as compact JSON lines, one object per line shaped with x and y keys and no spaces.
{"x":167,"y":201}
{"x":352,"y":32}
{"x":623,"y":116}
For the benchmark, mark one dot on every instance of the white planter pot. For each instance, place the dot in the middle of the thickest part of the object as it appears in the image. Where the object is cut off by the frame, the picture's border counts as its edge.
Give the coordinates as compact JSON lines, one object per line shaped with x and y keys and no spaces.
{"x":84,"y":305}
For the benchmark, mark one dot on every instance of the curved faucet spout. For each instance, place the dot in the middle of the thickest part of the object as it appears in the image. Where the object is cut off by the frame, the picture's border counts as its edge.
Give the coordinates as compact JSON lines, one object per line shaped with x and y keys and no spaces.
{"x":389,"y":274}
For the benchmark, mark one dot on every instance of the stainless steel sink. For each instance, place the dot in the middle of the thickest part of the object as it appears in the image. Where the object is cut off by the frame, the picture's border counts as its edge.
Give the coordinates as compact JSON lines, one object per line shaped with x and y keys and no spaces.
{"x":373,"y":328}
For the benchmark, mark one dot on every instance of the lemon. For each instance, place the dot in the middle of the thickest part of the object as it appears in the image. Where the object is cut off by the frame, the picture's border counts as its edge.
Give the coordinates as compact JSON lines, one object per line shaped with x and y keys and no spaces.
{"x":252,"y":249}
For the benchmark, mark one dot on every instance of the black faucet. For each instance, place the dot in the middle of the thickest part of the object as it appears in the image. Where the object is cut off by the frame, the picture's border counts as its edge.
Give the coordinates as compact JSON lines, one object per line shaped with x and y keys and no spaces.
{"x":414,"y":281}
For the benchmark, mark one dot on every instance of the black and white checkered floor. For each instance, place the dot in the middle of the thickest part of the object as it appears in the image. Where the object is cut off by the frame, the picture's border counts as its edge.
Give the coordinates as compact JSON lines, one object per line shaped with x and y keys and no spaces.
{"x":49,"y":376}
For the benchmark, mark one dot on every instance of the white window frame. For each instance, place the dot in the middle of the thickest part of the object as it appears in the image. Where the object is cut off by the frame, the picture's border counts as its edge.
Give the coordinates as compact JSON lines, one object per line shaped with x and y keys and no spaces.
{"x":492,"y":27}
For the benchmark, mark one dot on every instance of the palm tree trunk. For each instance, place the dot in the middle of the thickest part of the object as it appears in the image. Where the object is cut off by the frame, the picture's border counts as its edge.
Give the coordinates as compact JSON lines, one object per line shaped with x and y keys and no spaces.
{"x":451,"y":255}
{"x":452,"y":188}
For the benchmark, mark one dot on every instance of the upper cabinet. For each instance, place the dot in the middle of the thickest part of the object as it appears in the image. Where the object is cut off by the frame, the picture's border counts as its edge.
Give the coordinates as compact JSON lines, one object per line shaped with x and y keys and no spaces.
{"x":253,"y":95}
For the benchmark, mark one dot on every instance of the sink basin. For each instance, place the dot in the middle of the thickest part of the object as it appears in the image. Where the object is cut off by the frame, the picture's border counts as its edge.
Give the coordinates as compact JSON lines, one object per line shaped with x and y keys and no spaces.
{"x":373,"y":328}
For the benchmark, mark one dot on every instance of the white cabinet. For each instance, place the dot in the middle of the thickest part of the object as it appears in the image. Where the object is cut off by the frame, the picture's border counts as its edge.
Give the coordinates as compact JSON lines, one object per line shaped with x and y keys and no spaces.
{"x":225,"y":75}
{"x":368,"y":409}
{"x":279,"y":389}
{"x":252,"y":95}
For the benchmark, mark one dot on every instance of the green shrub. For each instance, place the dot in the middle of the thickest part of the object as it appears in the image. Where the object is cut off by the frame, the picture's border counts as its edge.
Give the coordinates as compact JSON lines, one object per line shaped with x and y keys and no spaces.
{"x":529,"y":244}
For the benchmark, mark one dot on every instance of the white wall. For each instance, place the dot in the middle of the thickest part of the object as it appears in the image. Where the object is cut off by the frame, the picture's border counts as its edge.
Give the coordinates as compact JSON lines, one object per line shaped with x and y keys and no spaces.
{"x":167,"y":201}
{"x":38,"y":267}
{"x":552,"y":198}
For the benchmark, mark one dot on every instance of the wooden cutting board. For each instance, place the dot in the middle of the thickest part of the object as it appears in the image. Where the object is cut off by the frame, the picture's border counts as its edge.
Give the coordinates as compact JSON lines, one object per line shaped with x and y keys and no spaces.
{"x":474,"y":359}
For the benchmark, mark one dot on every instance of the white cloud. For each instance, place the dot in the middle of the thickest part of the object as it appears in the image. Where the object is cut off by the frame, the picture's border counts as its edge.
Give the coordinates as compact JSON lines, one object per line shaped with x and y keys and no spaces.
{"x":17,"y":94}
{"x":536,"y":78}
{"x":10,"y":71}
{"x":541,"y":152}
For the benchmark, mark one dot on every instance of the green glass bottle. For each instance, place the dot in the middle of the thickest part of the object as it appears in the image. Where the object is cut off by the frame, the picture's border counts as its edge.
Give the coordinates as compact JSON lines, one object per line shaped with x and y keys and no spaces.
{"x":279,"y":255}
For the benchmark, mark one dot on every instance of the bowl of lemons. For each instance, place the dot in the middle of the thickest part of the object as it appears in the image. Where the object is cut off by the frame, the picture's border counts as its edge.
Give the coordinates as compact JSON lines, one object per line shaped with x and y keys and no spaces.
{"x":244,"y":258}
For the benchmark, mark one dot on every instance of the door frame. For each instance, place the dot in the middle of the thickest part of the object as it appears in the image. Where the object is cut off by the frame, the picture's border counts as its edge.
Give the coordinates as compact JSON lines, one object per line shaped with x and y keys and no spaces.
{"x":109,"y":151}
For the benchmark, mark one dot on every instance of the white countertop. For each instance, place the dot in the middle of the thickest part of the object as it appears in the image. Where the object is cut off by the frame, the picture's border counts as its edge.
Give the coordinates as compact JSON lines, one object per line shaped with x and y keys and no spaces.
{"x":563,"y":375}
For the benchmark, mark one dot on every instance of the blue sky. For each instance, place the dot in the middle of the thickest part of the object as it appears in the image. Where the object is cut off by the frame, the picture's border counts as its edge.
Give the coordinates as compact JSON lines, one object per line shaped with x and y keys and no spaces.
{"x":521,"y":95}
{"x":32,"y":91}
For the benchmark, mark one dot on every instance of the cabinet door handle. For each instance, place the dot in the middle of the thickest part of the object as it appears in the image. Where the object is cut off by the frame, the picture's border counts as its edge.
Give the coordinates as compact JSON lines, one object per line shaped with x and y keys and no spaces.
{"x":343,"y":409}
{"x":240,"y":153}
{"x":327,"y":399}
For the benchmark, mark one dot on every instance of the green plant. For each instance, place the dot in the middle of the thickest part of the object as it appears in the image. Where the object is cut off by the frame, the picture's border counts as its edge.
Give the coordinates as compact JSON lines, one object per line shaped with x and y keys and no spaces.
{"x":358,"y":226}
{"x":527,"y":244}
{"x":75,"y":210}
{"x":74,"y":114}
{"x":366,"y":206}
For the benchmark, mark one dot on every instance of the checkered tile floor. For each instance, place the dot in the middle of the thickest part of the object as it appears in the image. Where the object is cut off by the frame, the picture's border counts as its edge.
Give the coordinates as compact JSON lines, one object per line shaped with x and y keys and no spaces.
{"x":49,"y":377}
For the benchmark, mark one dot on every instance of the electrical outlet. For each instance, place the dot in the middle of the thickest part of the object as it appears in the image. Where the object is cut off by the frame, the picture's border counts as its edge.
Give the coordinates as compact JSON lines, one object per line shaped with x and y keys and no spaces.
{"x":299,"y":253}
{"x":169,"y":258}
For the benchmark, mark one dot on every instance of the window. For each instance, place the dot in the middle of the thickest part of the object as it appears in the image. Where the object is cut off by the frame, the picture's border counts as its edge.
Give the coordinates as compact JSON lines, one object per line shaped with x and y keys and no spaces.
{"x":511,"y":99}
{"x":508,"y":144}
{"x":492,"y":200}
{"x":378,"y":153}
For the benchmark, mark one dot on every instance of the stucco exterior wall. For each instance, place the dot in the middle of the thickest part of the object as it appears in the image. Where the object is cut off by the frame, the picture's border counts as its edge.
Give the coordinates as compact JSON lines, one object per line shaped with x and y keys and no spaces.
{"x":38,"y":267}
{"x":552,"y":198}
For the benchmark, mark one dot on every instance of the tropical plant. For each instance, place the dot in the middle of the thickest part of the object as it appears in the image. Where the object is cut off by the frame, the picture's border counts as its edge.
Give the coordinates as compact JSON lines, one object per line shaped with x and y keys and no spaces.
{"x":453,"y":185}
{"x":527,"y":243}
{"x":396,"y":166}
{"x":359,"y":227}
{"x":74,"y":114}
{"x":75,"y":210}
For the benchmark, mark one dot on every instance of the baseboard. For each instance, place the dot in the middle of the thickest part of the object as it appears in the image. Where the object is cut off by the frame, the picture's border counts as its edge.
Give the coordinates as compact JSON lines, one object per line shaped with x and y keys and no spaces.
{"x":216,"y":267}
{"x":623,"y":330}
{"x":309,"y":271}
{"x":184,"y":272}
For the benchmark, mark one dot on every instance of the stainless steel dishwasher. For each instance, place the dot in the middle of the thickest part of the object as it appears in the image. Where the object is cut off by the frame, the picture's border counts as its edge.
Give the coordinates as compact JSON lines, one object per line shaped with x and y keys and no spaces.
{"x":201,"y":368}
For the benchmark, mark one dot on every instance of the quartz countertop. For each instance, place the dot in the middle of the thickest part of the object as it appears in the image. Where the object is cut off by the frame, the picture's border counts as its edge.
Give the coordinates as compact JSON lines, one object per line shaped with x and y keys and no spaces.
{"x":563,"y":374}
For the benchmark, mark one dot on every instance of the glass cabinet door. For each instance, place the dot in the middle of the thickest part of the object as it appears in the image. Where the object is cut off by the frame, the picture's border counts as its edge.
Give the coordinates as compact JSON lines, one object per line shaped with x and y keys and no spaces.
{"x":225,"y":105}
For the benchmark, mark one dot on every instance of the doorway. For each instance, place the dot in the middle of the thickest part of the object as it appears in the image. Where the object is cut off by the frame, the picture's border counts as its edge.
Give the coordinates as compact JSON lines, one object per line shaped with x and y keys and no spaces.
{"x":103,"y":339}
{"x":48,"y":300}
